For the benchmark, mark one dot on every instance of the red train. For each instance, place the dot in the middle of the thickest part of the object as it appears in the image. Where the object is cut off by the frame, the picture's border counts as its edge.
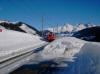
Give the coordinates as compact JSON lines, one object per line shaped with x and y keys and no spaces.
{"x":0,"y":30}
{"x":50,"y":36}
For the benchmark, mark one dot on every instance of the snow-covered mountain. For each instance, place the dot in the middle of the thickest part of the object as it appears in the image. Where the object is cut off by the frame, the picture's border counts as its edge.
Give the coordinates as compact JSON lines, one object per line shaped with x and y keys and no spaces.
{"x":18,"y":26}
{"x":79,"y":27}
{"x":68,"y":28}
{"x":60,"y":29}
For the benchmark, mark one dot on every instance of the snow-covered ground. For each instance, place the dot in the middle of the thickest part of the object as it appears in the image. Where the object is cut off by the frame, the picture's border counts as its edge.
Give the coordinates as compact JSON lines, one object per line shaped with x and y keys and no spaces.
{"x":68,"y":49}
{"x":83,"y":55}
{"x":87,"y":55}
{"x":89,"y":59}
{"x":13,"y":43}
{"x":60,"y":50}
{"x":63,"y":47}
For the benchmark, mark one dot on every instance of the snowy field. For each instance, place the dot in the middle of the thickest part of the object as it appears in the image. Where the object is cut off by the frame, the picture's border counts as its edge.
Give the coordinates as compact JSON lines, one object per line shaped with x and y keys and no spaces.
{"x":87,"y":61}
{"x":72,"y":54}
{"x":13,"y":43}
{"x":60,"y":50}
{"x":69,"y":53}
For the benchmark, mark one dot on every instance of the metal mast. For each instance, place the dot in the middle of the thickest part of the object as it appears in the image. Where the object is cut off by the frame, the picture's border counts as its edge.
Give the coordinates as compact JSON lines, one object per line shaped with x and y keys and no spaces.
{"x":42,"y":25}
{"x":57,"y":28}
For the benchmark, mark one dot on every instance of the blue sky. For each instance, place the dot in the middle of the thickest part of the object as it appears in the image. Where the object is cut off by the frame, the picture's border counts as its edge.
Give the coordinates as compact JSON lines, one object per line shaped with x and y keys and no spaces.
{"x":54,"y":11}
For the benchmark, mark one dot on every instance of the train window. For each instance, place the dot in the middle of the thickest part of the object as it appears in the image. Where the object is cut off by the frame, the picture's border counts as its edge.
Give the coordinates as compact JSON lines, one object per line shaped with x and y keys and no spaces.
{"x":50,"y":35}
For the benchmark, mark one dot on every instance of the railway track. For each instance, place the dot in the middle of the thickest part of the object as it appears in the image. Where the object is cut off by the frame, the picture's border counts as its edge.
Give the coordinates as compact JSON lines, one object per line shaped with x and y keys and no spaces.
{"x":17,"y":58}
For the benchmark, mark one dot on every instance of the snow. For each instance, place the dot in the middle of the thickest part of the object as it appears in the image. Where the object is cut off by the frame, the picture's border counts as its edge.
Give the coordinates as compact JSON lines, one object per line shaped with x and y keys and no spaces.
{"x":65,"y":28}
{"x":27,"y":29}
{"x":65,"y":47}
{"x":1,"y":27}
{"x":13,"y":43}
{"x":1,"y":21}
{"x":79,"y":27}
{"x":4,"y":21}
{"x":60,"y":50}
{"x":93,"y":53}
{"x":82,"y":55}
{"x":68,"y":28}
{"x":90,"y":37}
{"x":87,"y":61}
{"x":22,"y":26}
{"x":91,"y":49}
{"x":17,"y":62}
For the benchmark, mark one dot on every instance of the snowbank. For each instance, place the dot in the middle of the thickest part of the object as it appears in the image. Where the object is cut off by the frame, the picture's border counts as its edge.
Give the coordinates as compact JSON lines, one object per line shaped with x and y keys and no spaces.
{"x":89,"y":57}
{"x":91,"y":48}
{"x":63,"y":51}
{"x":87,"y":61}
{"x":63,"y":47}
{"x":60,"y":50}
{"x":14,"y":43}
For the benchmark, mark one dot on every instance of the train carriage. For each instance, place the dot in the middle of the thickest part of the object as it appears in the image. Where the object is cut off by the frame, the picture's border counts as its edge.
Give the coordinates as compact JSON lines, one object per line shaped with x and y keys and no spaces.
{"x":50,"y":36}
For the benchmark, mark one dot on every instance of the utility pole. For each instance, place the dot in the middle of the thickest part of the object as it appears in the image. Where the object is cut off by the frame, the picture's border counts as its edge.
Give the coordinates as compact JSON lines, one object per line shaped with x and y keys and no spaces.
{"x":42,"y":25}
{"x":57,"y":28}
{"x":53,"y":29}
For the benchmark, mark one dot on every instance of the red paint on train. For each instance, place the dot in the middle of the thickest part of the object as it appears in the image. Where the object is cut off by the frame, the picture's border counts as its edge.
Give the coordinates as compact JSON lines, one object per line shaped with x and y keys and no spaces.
{"x":50,"y":36}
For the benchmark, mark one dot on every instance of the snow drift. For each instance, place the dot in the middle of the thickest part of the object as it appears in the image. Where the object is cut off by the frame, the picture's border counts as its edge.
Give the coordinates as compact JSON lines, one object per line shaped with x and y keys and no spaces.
{"x":14,"y":43}
{"x":63,"y":47}
{"x":87,"y":61}
{"x":60,"y":50}
{"x":89,"y":57}
{"x":80,"y":57}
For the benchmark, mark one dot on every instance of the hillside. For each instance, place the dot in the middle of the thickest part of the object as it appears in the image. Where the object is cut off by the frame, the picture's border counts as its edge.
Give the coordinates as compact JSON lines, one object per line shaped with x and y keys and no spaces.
{"x":19,"y":26}
{"x":90,"y":34}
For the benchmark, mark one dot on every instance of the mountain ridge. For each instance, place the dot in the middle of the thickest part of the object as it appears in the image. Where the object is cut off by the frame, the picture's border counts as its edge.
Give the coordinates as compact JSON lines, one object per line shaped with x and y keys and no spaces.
{"x":68,"y":28}
{"x":19,"y":26}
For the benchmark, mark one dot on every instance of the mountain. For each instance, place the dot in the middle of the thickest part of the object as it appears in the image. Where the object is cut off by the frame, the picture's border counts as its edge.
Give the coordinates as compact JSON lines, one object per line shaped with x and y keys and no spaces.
{"x":61,"y":29}
{"x":19,"y":26}
{"x":78,"y":27}
{"x":89,"y":34}
{"x":68,"y":28}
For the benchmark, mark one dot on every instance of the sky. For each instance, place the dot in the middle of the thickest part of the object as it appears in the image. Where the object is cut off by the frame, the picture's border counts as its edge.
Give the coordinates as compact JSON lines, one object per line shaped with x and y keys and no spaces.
{"x":54,"y":12}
